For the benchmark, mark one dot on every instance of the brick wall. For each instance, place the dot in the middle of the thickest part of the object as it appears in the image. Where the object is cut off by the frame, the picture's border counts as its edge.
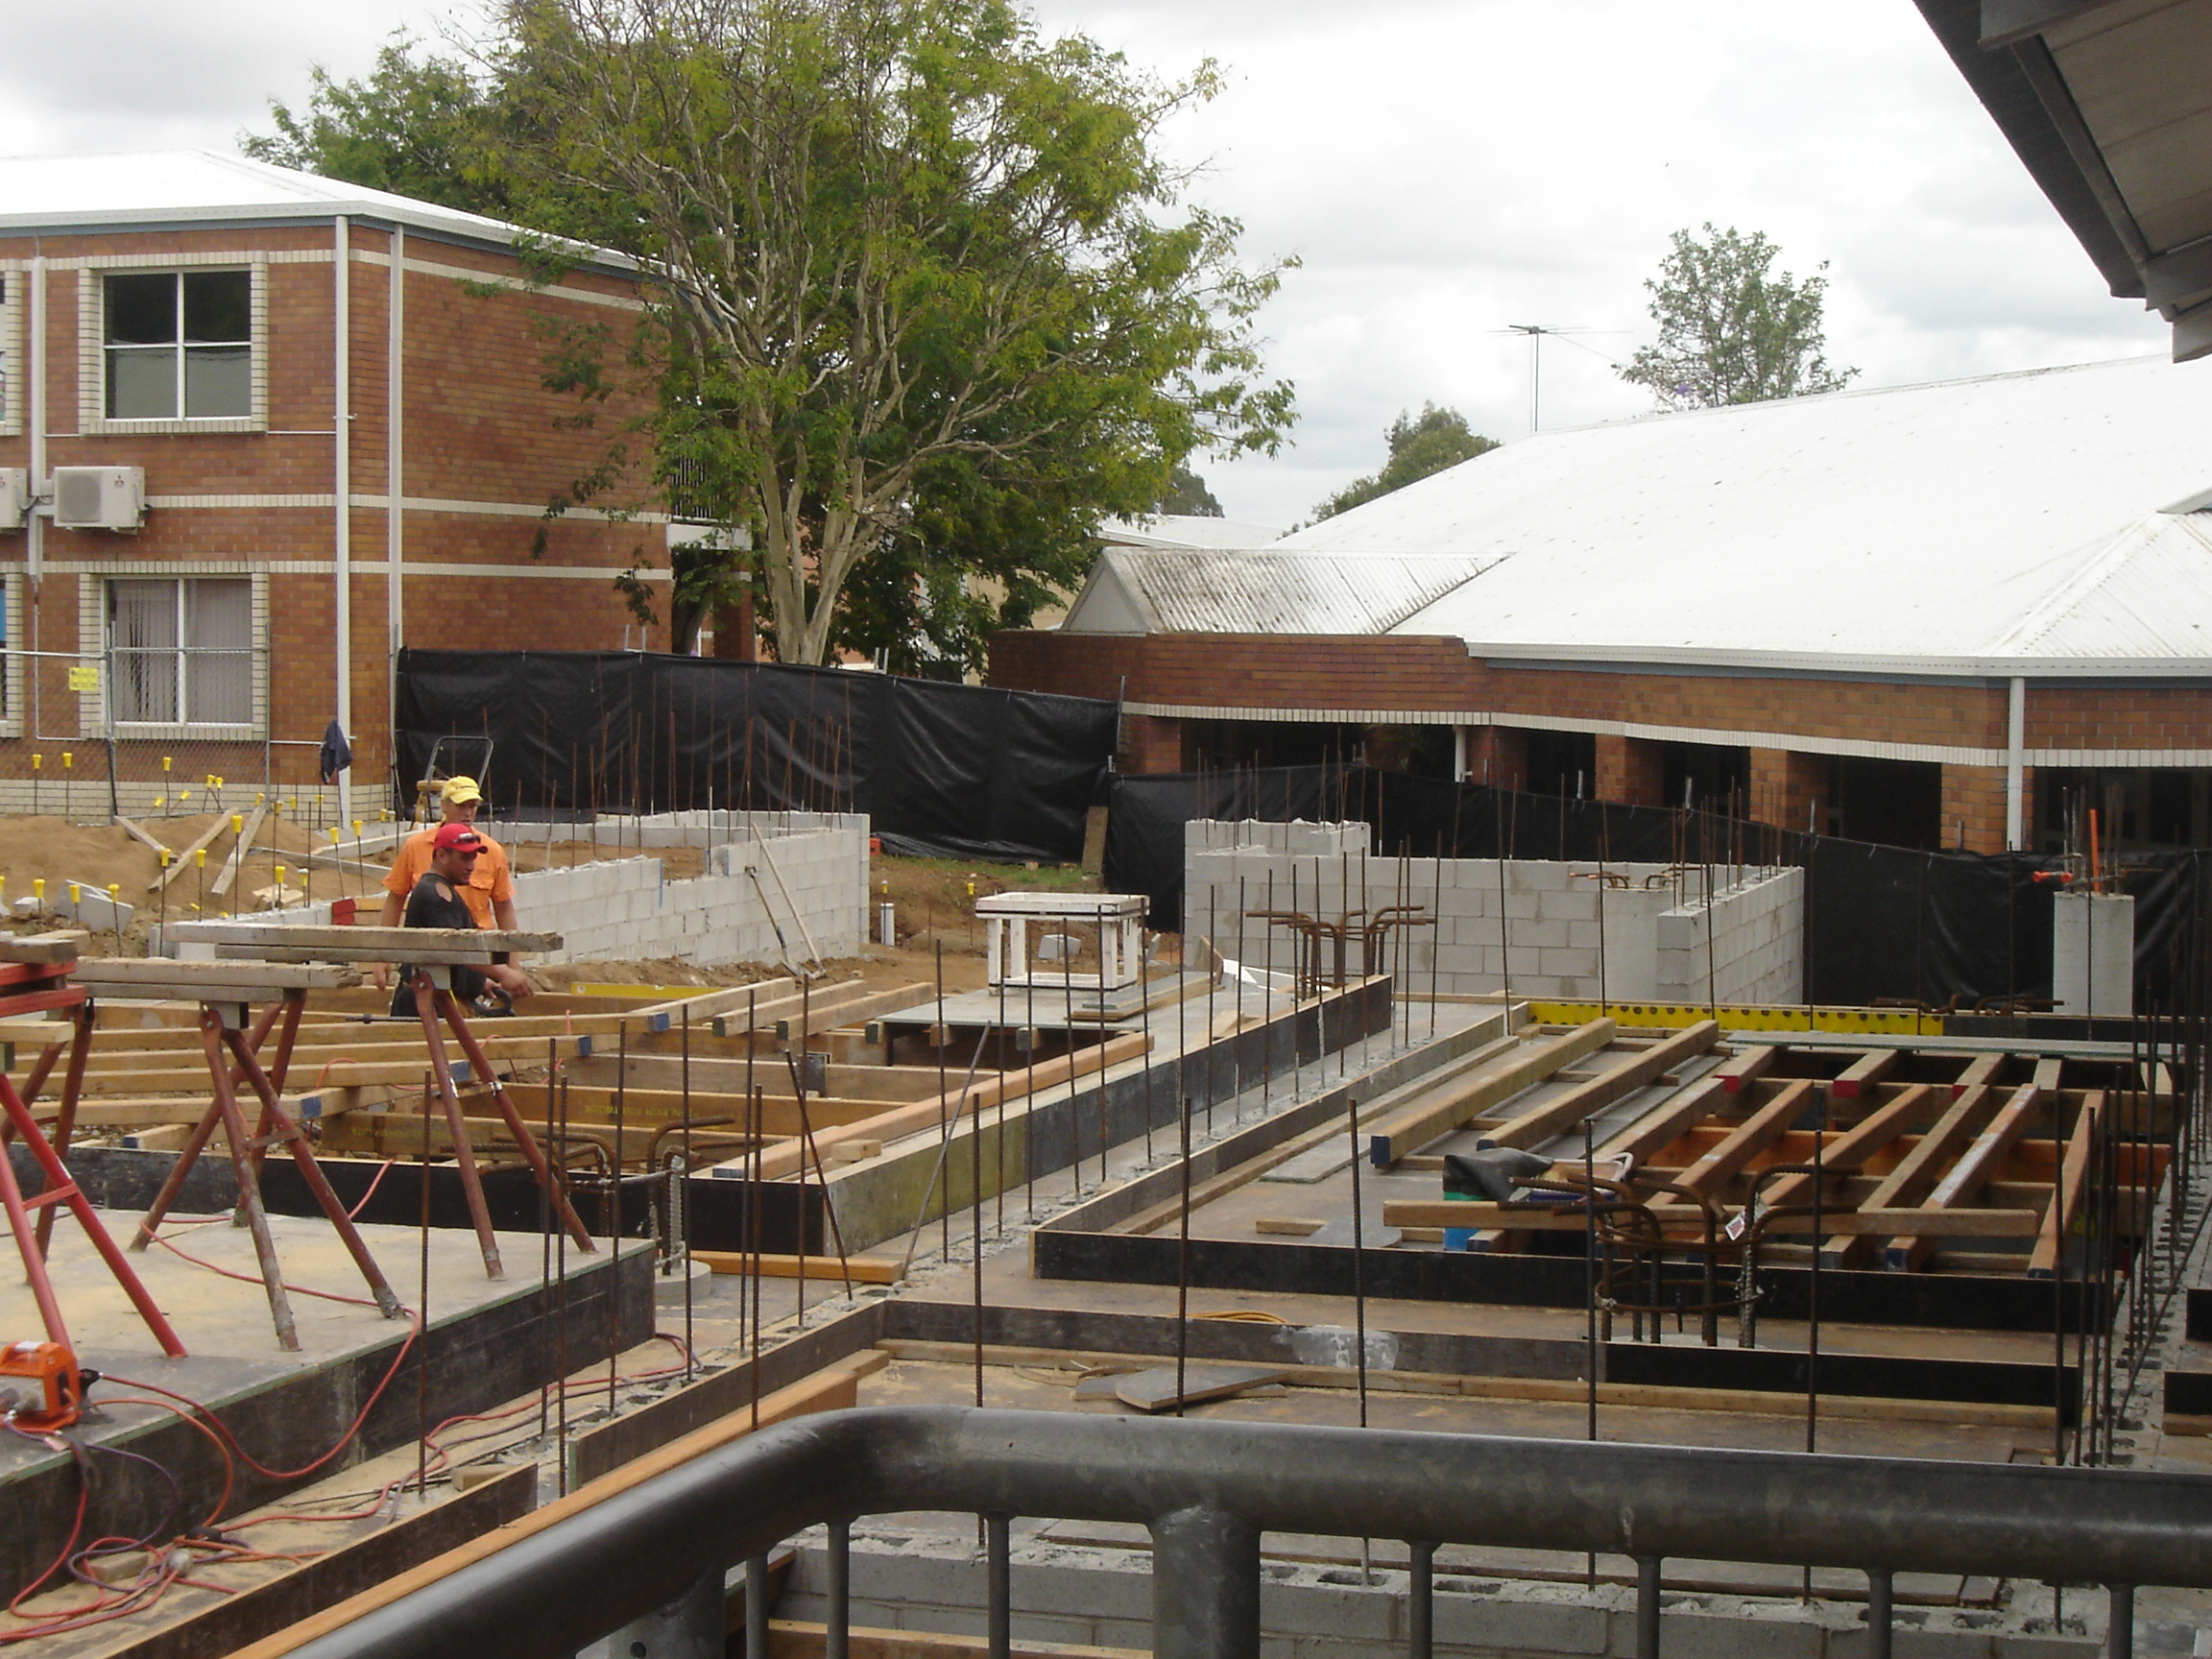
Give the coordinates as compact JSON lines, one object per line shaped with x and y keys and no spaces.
{"x":481,"y":447}
{"x":1630,"y":770}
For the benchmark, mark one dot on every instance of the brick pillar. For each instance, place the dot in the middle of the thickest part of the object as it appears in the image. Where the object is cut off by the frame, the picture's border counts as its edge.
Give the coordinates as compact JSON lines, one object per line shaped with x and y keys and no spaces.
{"x":1974,"y":796}
{"x":1150,"y":743}
{"x":1630,"y":771}
{"x":1787,"y":788}
{"x":734,"y":631}
{"x":1497,"y":755}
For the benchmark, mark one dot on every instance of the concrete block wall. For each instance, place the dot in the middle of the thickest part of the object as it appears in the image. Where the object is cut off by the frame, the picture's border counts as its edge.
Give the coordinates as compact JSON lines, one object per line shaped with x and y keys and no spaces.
{"x":1297,"y":839}
{"x":1747,"y":946}
{"x":806,"y":873}
{"x":2093,"y":953}
{"x":1546,"y":928}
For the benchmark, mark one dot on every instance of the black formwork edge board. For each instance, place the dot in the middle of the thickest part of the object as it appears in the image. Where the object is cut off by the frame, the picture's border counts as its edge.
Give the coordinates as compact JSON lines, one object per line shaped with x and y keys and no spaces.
{"x":2197,"y":1319}
{"x":1061,"y":1126}
{"x":1683,"y":1363}
{"x":610,"y":1445}
{"x":2189,"y":1393}
{"x":1925,"y":1301}
{"x":470,"y":1363}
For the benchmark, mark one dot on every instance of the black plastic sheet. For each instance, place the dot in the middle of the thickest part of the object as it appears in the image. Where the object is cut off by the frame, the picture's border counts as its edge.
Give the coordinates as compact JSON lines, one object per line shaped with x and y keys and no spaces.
{"x":942,"y":770}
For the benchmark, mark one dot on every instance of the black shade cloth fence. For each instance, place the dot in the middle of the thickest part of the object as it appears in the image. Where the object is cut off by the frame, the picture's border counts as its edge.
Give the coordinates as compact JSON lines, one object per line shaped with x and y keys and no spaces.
{"x":1882,"y":922}
{"x":942,"y":770}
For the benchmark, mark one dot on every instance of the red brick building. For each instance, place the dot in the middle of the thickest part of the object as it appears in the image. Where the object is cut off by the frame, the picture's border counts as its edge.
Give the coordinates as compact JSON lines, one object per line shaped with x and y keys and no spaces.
{"x":333,"y":396}
{"x":1931,"y":616}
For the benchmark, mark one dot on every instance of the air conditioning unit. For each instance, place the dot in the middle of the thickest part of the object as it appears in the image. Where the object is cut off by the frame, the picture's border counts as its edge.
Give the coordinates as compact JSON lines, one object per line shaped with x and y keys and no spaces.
{"x":15,"y":497}
{"x":99,"y":497}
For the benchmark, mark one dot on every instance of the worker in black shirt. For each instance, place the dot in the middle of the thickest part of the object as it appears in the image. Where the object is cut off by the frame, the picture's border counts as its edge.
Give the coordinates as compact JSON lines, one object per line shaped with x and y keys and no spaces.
{"x":437,"y":902}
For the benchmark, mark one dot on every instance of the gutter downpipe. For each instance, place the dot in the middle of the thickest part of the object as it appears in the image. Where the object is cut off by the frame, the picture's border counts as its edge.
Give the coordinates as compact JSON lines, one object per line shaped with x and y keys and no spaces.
{"x":342,"y":539}
{"x":394,"y":470}
{"x":2015,"y":767}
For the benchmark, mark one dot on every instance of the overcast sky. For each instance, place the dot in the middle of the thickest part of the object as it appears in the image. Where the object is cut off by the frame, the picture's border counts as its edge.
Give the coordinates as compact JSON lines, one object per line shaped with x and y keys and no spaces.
{"x":1442,"y":168}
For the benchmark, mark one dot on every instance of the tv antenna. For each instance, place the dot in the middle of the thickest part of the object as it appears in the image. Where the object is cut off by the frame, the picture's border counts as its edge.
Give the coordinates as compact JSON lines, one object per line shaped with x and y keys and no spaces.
{"x":1535,"y":333}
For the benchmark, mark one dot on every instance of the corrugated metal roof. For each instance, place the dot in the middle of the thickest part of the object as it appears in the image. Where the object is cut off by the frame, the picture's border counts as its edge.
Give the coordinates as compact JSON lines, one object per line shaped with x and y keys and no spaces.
{"x":2147,"y":596}
{"x":1184,"y":529}
{"x":1261,"y":591}
{"x":1918,"y":529}
{"x":191,"y":186}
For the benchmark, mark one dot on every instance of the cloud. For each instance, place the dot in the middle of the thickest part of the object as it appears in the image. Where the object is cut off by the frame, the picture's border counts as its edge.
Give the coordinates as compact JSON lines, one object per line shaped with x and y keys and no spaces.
{"x":1444,"y":168}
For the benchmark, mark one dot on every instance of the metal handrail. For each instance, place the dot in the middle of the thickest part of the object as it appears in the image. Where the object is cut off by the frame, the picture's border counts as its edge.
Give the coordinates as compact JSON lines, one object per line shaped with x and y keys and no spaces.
{"x":1209,"y":1489}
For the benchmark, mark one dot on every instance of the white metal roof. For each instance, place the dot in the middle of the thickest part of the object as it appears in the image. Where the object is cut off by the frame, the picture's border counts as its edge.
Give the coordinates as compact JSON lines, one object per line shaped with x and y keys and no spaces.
{"x":1259,"y":591}
{"x":2001,"y":525}
{"x":132,"y":188}
{"x":1184,"y":529}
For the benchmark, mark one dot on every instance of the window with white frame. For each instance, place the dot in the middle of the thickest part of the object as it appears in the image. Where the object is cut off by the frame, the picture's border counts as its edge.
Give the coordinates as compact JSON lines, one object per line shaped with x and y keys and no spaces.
{"x":179,"y":345}
{"x":181,"y":650}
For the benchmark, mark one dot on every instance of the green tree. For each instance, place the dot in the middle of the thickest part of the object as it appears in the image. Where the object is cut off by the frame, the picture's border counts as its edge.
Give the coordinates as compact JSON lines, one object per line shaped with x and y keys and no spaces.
{"x":1732,"y":330}
{"x":913,"y":259}
{"x":1186,"y":495}
{"x":928,"y":302}
{"x":1419,"y":444}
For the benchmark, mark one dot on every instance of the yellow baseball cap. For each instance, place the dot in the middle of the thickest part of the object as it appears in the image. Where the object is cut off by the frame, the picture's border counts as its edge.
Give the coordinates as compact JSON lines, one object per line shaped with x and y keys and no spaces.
{"x":460,"y":790}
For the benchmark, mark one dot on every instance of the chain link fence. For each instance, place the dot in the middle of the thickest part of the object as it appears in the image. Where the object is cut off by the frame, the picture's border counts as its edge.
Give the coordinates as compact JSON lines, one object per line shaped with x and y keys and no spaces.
{"x":144,"y":735}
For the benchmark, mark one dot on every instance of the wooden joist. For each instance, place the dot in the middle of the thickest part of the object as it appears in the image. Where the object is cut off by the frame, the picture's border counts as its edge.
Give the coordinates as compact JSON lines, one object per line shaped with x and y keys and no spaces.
{"x":1876,"y":1130}
{"x":1864,"y":1073}
{"x":2065,"y":1213}
{"x":43,"y":949}
{"x":1979,"y":1072}
{"x":703,"y":1007}
{"x":861,"y":1269}
{"x":1748,"y":1066}
{"x":1474,"y":1213}
{"x":1438,"y":1112}
{"x":1712,"y":1172}
{"x":1667,"y":1123}
{"x":848,"y":1011}
{"x":1917,"y":1171}
{"x":1965,"y":1178}
{"x":1632,"y":1071}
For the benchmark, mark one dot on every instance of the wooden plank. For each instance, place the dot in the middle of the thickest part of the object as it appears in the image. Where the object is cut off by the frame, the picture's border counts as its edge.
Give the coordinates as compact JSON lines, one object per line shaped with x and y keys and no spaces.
{"x":1441,"y":1110}
{"x":116,"y":974}
{"x":852,"y":1010}
{"x":184,"y":859}
{"x":1980,"y":1073}
{"x":57,"y":947}
{"x":1716,"y":1168}
{"x":1864,"y":1073}
{"x":245,"y":845}
{"x":1555,"y":1117}
{"x":709,"y":1003}
{"x":2072,"y":1183}
{"x":656,"y":1107}
{"x":830,"y":1389}
{"x":1876,"y":1130}
{"x":863,"y":1269}
{"x":1748,"y":1066}
{"x":291,"y":935}
{"x":1969,"y":1175}
{"x":1476,"y":1213}
{"x":138,"y":834}
{"x":1665,"y":1122}
{"x":987,"y":1092}
{"x":2048,"y":1071}
{"x":1916,"y":1171}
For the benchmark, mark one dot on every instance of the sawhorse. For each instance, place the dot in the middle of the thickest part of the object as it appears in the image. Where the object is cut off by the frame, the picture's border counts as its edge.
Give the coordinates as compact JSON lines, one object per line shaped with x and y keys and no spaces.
{"x":421,"y":953}
{"x":32,"y":1238}
{"x":225,"y":990}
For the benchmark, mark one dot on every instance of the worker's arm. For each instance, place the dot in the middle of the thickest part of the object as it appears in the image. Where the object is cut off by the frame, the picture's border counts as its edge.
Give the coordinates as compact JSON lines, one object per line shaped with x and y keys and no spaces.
{"x":394,"y":913}
{"x":508,"y":974}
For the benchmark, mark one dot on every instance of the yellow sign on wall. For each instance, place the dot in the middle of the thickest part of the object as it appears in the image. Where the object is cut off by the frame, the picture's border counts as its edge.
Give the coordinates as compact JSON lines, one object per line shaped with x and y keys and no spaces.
{"x":84,"y":677}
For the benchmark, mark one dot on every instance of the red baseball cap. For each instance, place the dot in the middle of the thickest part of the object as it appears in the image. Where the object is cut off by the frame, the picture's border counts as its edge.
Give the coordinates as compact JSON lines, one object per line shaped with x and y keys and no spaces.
{"x":458,"y":837}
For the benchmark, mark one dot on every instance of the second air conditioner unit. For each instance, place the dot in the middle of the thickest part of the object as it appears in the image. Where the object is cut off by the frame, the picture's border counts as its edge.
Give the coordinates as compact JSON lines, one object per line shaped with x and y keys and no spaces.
{"x":15,"y":497}
{"x":99,"y":497}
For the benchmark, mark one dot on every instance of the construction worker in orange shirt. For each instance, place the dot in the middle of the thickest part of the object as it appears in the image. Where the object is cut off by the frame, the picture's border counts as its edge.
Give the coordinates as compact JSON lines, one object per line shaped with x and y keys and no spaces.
{"x":489,"y":892}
